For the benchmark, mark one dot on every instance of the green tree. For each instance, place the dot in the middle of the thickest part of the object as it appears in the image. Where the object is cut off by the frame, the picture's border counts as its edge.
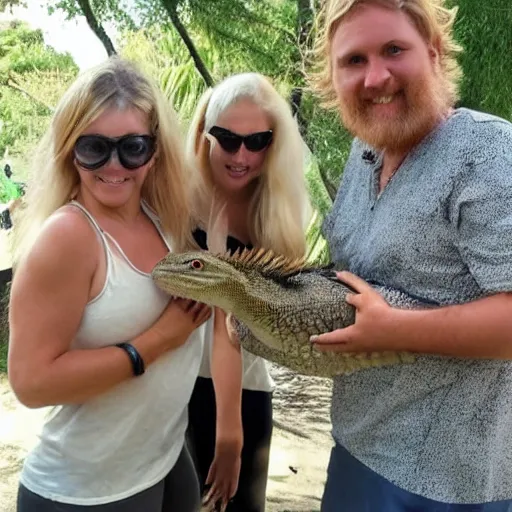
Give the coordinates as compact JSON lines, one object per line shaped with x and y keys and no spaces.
{"x":484,"y":29}
{"x":32,"y":78}
{"x":7,"y":4}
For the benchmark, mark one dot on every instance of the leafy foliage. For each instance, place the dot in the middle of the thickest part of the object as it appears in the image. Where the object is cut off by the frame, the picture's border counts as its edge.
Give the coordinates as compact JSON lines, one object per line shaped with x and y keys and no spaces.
{"x":260,"y":34}
{"x":22,"y":50}
{"x":161,"y":54}
{"x":34,"y":76}
{"x":114,"y":11}
{"x":8,"y":4}
{"x":8,"y":189}
{"x":484,"y":30}
{"x":3,"y":351}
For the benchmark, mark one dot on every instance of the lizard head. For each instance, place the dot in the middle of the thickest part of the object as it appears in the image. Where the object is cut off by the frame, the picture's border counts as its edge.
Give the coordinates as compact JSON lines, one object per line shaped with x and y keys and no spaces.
{"x":198,"y":275}
{"x":223,"y":280}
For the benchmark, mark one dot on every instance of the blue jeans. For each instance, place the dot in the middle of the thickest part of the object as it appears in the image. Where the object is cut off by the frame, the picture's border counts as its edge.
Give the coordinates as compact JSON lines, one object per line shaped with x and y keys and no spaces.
{"x":352,"y":487}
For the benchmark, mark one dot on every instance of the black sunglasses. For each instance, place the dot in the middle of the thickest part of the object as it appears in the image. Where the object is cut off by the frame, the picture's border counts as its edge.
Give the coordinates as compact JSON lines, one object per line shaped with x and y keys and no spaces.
{"x":231,"y":142}
{"x":133,"y":151}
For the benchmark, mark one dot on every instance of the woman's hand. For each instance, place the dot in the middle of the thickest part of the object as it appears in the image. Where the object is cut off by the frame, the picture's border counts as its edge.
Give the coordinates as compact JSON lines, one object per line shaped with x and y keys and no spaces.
{"x":172,"y":328}
{"x":224,"y":470}
{"x":179,"y":319}
{"x":372,"y":330}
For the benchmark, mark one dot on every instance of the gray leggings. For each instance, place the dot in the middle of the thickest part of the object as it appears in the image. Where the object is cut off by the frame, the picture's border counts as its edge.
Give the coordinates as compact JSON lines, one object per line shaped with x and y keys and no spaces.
{"x":178,"y":491}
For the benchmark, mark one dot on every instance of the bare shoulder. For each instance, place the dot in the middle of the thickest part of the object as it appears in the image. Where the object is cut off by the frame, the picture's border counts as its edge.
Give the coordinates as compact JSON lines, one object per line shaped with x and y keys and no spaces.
{"x":66,"y":244}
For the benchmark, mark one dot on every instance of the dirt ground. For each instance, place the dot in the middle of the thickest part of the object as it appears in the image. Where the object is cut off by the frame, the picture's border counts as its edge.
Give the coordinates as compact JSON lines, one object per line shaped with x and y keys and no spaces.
{"x":299,"y":453}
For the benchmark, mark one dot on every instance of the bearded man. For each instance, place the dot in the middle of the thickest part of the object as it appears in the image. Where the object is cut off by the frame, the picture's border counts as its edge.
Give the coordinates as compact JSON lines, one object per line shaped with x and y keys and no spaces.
{"x":425,"y":206}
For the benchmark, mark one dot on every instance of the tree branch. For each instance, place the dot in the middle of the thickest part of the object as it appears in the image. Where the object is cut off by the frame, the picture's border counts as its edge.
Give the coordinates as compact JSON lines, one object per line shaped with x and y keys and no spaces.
{"x":305,"y":15}
{"x":305,"y":21}
{"x":96,"y":27}
{"x":182,"y":31}
{"x":4,"y":4}
{"x":331,"y":187}
{"x":11,"y":82}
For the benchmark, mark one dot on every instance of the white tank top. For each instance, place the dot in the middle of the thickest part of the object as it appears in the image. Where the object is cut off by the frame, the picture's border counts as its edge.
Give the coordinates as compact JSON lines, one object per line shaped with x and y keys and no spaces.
{"x":255,"y":373}
{"x":127,"y":439}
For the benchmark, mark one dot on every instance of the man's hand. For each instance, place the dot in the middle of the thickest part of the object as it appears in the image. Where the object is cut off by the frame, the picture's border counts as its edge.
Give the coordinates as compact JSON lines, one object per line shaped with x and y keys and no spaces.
{"x":372,"y":330}
{"x":224,"y":472}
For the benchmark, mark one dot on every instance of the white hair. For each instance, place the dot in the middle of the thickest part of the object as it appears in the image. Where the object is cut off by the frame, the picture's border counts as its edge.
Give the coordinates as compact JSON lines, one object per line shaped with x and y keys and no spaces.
{"x":230,"y":91}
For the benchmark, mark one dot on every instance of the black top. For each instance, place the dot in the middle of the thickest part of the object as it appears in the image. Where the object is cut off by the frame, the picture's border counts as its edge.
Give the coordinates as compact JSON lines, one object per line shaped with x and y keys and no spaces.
{"x":232,"y":244}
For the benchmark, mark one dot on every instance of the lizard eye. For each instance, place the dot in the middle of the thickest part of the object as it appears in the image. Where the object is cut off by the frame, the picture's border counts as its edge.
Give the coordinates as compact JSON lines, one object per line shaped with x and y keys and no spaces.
{"x":196,"y":264}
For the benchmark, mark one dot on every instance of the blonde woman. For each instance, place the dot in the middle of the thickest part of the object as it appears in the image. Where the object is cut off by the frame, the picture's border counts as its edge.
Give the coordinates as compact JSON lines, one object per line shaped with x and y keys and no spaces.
{"x":89,"y":331}
{"x":249,"y":156}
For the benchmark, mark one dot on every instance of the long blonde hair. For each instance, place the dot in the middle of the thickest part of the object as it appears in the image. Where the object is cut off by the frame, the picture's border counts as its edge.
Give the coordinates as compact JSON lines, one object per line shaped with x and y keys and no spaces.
{"x":432,"y":20}
{"x":280,"y":208}
{"x":54,"y":181}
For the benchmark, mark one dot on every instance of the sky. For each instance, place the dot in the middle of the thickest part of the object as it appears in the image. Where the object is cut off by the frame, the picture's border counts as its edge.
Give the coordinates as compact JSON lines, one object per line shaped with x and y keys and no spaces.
{"x":73,"y":36}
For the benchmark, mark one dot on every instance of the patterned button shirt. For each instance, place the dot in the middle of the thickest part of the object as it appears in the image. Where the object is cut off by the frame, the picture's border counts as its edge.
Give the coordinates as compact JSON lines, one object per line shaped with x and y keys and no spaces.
{"x":441,"y":231}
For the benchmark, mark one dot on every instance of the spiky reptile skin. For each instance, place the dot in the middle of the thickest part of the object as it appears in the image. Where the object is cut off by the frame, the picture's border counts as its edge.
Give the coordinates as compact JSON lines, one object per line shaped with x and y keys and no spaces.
{"x":276,"y":305}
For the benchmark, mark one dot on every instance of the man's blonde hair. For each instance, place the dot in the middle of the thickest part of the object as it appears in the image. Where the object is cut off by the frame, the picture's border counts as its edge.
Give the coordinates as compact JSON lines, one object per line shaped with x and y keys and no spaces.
{"x":115,"y":83}
{"x":280,"y":207}
{"x":431,"y":18}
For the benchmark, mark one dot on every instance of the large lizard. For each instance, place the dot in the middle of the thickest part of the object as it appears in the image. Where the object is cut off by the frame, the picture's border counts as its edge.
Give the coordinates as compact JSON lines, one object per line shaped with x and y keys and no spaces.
{"x":275,"y":305}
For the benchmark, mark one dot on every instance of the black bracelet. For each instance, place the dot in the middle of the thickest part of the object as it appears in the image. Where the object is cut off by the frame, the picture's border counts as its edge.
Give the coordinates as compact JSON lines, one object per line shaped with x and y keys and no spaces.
{"x":136,"y":360}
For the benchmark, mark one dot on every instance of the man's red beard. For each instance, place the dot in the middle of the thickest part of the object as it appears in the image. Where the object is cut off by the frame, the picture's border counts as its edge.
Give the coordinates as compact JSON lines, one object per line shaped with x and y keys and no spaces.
{"x":421,"y":107}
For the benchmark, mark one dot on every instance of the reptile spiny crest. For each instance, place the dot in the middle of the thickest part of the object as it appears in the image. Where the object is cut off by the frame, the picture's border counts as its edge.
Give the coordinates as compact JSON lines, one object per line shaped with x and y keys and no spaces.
{"x":268,"y":263}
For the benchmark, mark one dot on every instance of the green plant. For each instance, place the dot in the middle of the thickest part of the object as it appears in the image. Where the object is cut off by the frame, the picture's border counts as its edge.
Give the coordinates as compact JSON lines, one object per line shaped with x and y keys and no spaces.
{"x":33,"y":76}
{"x":3,"y":351}
{"x":483,"y":30}
{"x":8,"y":189}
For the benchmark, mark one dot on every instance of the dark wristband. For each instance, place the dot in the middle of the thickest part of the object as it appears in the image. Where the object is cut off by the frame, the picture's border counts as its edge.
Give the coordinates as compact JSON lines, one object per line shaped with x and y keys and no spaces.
{"x":136,"y":360}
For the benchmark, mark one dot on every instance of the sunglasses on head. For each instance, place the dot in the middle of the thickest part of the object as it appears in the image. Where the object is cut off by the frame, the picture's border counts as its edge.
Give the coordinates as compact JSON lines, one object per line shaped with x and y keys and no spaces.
{"x":133,"y":151}
{"x":231,"y":142}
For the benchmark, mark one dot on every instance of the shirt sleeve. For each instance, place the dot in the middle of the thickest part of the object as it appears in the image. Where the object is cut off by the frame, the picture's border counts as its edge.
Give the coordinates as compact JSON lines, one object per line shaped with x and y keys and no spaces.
{"x":482,"y":217}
